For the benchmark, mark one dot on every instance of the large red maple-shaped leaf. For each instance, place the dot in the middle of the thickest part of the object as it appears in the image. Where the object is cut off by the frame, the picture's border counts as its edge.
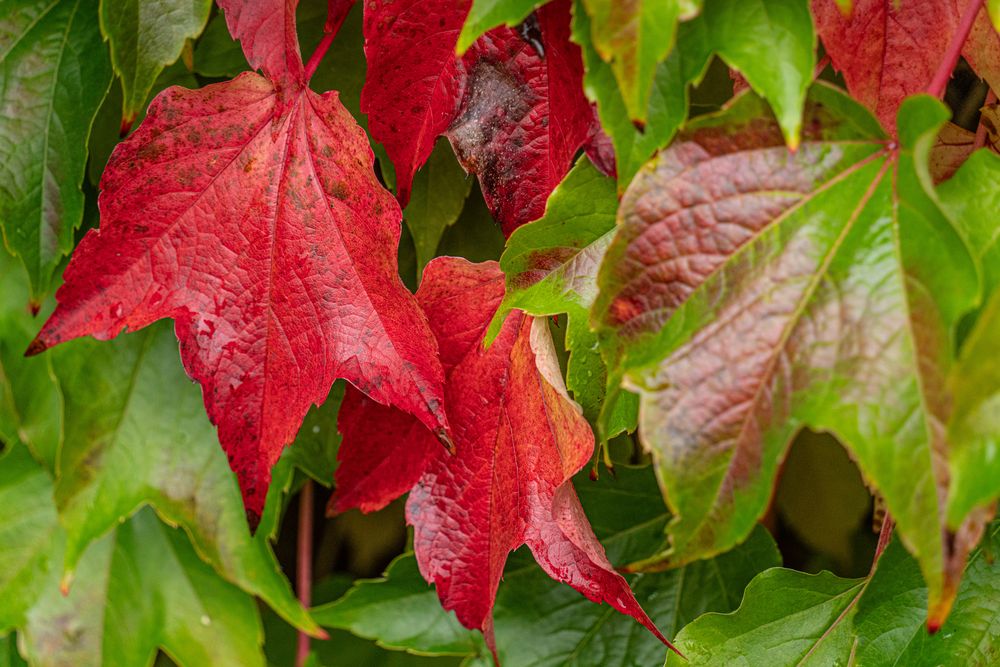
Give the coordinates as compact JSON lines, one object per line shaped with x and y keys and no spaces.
{"x":518,"y":438}
{"x":513,"y":106}
{"x":249,"y":212}
{"x":888,"y":50}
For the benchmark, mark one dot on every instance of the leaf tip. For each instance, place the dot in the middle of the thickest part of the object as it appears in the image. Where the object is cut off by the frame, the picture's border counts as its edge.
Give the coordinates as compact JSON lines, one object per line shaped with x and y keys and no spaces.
{"x":253,"y":520}
{"x":445,"y":439}
{"x":37,"y":346}
{"x":66,"y":582}
{"x":126,"y":125}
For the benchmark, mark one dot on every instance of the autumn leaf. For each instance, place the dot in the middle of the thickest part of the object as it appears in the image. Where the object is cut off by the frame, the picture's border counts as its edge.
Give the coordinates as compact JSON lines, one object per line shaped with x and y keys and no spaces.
{"x":737,"y":31}
{"x":751,"y":292}
{"x":495,"y":104}
{"x":550,"y":268}
{"x":887,"y":51}
{"x":519,"y":439}
{"x":633,"y":37}
{"x":540,"y":622}
{"x":248,"y":212}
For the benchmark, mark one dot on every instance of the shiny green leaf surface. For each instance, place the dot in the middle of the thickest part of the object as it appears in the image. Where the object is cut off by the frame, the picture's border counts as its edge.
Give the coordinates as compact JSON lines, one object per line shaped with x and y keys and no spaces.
{"x":751,"y":291}
{"x":145,"y":36}
{"x":55,"y":72}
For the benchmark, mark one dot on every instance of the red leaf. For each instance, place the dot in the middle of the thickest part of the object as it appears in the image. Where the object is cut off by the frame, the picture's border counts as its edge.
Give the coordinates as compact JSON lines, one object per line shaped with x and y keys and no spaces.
{"x":887,"y":50}
{"x":414,"y":82}
{"x":518,"y":438}
{"x":251,"y":215}
{"x":266,"y":31}
{"x":385,"y":450}
{"x":493,"y":104}
{"x":600,"y":150}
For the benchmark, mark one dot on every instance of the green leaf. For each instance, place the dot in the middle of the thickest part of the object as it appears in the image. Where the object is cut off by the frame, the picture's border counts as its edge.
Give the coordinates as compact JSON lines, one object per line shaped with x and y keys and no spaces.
{"x":145,"y":36}
{"x":315,"y":448}
{"x":55,"y":73}
{"x":439,"y":192}
{"x":632,"y":38}
{"x":140,"y":588}
{"x":217,"y":54}
{"x":972,"y":199}
{"x":974,"y":429}
{"x":401,"y":611}
{"x":792,"y":618}
{"x":736,"y":30}
{"x":30,"y":403}
{"x":539,"y":622}
{"x":551,"y":268}
{"x":993,"y":7}
{"x":29,"y":535}
{"x":9,"y":657}
{"x":136,"y":433}
{"x":484,"y":15}
{"x":751,"y":291}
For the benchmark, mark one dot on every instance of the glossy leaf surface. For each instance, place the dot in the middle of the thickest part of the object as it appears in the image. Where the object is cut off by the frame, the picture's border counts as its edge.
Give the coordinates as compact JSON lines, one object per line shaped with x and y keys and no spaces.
{"x":145,"y":37}
{"x":55,"y":72}
{"x":735,"y":30}
{"x":273,"y":252}
{"x":751,"y":291}
{"x":518,"y":441}
{"x":633,"y":37}
{"x":538,"y":621}
{"x":887,"y":51}
{"x":551,"y":268}
{"x":792,"y":618}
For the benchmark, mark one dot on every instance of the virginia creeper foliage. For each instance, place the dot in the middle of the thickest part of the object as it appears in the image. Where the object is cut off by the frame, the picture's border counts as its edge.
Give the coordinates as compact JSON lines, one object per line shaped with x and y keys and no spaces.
{"x":688,"y":289}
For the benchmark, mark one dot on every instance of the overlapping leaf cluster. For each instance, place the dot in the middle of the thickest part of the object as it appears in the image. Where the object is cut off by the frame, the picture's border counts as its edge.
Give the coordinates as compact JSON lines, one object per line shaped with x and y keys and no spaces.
{"x":804,"y":258}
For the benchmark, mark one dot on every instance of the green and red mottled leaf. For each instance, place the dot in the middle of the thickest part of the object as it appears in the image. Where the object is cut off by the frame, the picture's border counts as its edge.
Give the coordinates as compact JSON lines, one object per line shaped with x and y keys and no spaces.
{"x":495,"y":104}
{"x":518,"y":441}
{"x":249,"y":213}
{"x":751,"y":291}
{"x":738,"y":31}
{"x":633,"y":37}
{"x":888,"y":50}
{"x":551,"y":268}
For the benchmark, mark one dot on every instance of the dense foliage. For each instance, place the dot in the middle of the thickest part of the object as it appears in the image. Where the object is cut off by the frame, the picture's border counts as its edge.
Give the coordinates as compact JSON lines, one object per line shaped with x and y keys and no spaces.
{"x":686,"y":291}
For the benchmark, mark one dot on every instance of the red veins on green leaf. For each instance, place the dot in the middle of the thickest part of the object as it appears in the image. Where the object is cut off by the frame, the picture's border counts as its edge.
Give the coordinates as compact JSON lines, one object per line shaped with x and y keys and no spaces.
{"x":512,"y":106}
{"x":518,"y":440}
{"x":248,"y":211}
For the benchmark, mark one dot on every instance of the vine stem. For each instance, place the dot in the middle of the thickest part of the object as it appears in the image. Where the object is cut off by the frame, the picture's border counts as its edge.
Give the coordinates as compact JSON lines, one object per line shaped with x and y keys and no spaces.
{"x":303,"y":569}
{"x":338,"y":11}
{"x":951,"y":55}
{"x":321,"y":49}
{"x":980,"y":141}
